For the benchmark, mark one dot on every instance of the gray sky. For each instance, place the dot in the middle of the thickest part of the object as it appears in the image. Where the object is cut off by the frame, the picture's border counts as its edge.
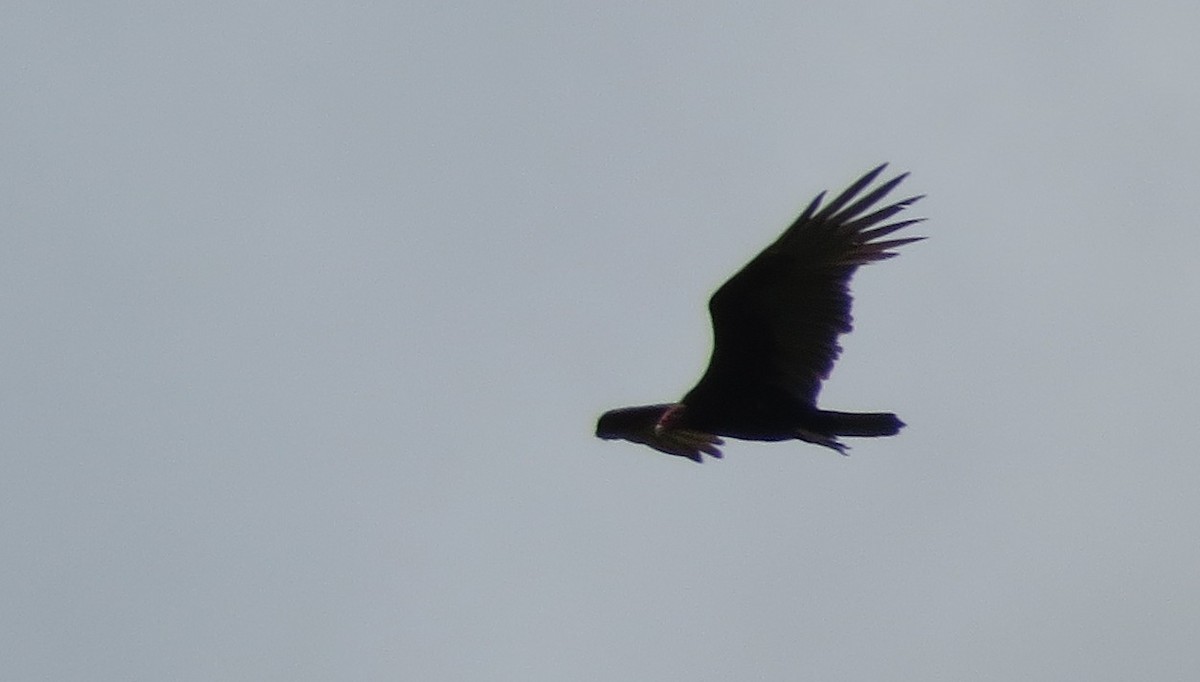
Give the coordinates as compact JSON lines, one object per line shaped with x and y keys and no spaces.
{"x":309,"y":310}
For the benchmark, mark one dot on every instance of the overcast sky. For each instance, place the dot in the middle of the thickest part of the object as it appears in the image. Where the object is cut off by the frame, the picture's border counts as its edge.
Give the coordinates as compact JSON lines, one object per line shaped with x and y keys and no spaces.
{"x":309,"y":309}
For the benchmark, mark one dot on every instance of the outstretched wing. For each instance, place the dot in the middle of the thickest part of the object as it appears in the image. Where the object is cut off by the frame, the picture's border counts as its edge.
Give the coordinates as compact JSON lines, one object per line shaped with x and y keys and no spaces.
{"x":776,"y":322}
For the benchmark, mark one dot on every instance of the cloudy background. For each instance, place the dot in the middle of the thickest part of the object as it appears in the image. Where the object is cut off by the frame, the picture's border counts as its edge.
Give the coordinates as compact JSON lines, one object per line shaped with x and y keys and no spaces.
{"x":309,"y":309}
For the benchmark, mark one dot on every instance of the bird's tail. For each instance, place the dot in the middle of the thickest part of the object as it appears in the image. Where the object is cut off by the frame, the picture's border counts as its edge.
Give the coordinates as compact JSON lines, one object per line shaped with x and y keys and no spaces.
{"x":860,"y":423}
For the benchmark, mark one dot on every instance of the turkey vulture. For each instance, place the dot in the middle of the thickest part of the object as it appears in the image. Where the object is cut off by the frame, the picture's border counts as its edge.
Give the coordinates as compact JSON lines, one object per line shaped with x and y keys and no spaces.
{"x":775,"y":329}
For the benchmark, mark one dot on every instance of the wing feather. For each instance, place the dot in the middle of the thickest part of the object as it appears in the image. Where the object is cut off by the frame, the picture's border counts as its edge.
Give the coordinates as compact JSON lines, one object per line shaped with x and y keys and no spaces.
{"x":776,"y":322}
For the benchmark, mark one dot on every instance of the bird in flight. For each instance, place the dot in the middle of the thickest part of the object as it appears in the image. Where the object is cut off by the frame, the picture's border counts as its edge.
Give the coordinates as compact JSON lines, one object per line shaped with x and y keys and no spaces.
{"x":775,"y":330}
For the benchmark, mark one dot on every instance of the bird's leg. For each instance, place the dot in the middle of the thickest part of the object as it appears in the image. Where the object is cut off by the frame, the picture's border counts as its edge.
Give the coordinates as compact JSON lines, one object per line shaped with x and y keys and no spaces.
{"x":823,"y":439}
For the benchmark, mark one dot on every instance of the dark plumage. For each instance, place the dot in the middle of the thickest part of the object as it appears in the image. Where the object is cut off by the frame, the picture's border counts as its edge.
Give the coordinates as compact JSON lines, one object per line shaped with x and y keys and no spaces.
{"x":775,"y":330}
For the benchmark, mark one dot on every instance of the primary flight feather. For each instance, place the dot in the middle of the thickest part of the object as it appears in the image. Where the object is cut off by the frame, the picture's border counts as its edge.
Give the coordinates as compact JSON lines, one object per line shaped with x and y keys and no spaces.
{"x":775,"y":329}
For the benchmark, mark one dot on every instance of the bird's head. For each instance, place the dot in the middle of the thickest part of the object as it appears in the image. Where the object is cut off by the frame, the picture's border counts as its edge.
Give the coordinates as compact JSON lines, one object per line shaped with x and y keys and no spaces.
{"x":660,"y":427}
{"x":630,"y":421}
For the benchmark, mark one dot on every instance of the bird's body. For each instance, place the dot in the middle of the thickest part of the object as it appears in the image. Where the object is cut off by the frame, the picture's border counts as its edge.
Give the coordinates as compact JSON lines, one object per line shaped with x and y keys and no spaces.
{"x":775,"y":329}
